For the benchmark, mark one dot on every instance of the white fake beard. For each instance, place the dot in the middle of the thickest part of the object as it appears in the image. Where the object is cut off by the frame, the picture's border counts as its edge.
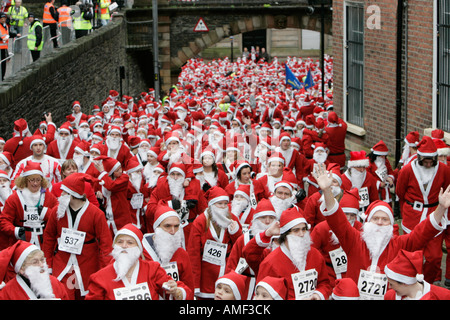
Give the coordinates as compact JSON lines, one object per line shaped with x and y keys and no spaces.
{"x":376,"y":237}
{"x":320,"y":157}
{"x":143,"y":153}
{"x":63,"y":143}
{"x":79,"y":159}
{"x":258,"y":226}
{"x":40,"y":282}
{"x":136,"y":179}
{"x":63,"y":203}
{"x":335,"y":190}
{"x":181,"y":115}
{"x":219,"y":216}
{"x":380,"y":162}
{"x":238,"y":206}
{"x":125,"y":259}
{"x":153,"y":180}
{"x":357,"y":178}
{"x":280,"y":205}
{"x":113,"y":143}
{"x":166,"y":244}
{"x":3,"y":166}
{"x":299,"y":248}
{"x":5,"y":191}
{"x":426,"y":174}
{"x":83,"y":133}
{"x":175,"y":157}
{"x":31,"y":198}
{"x":176,"y":187}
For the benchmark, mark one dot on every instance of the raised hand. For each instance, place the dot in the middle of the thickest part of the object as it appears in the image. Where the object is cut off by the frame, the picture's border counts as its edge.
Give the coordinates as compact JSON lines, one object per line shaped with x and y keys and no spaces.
{"x":444,"y":197}
{"x":322,"y":176}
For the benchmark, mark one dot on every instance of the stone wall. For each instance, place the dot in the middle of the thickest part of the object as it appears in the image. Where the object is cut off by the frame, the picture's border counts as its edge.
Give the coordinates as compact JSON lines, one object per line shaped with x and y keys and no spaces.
{"x":84,"y":70}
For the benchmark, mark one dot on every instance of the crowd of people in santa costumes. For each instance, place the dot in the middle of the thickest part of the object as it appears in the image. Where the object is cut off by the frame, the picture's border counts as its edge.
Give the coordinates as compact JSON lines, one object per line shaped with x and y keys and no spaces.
{"x":233,"y":186}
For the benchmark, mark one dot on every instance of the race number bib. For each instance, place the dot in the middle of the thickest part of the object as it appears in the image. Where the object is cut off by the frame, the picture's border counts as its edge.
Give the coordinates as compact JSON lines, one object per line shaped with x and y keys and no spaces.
{"x":338,"y":260}
{"x":364,"y":196}
{"x":253,"y":201}
{"x":372,"y":285}
{"x":32,"y":218}
{"x":71,"y":241}
{"x":241,"y":266}
{"x":382,"y":174}
{"x":172,"y":270}
{"x":137,"y":200}
{"x":138,"y":292}
{"x":215,"y":252}
{"x":304,"y":282}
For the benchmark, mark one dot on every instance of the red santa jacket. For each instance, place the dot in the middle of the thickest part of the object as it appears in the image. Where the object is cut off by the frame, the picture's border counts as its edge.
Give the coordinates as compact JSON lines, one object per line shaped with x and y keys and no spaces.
{"x":102,"y":284}
{"x":54,"y":151}
{"x":17,"y":289}
{"x":97,"y":244}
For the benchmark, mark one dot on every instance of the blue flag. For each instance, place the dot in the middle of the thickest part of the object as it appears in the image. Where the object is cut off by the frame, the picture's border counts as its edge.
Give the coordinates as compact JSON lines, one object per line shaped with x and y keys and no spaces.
{"x":291,"y":79}
{"x":309,"y":82}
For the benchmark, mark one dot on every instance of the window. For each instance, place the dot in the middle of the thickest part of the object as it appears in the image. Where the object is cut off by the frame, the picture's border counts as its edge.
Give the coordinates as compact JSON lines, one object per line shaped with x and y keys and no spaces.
{"x":354,"y":62}
{"x":443,"y":65}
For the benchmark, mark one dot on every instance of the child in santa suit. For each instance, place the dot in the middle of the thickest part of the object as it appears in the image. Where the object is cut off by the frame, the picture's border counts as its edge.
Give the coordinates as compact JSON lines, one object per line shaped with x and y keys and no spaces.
{"x":271,"y":288}
{"x":231,"y":286}
{"x":114,"y":190}
{"x":212,"y":236}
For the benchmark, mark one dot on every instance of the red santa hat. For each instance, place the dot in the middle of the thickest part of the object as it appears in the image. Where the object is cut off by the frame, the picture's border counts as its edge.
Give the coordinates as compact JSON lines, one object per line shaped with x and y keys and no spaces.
{"x":437,"y":134}
{"x":284,"y":136}
{"x":133,"y":165}
{"x":116,"y":129}
{"x":83,"y":147}
{"x":132,"y":231}
{"x":290,"y":218}
{"x":21,"y":128}
{"x":163,"y":212}
{"x":412,"y":139}
{"x":233,"y":146}
{"x":358,"y":159}
{"x":243,"y":190}
{"x":283,"y":183}
{"x":237,"y":283}
{"x":320,"y":146}
{"x":154,"y":151}
{"x":15,"y":256}
{"x":113,"y":93}
{"x":109,"y":164}
{"x":277,"y":287}
{"x":264,"y":208}
{"x":380,"y":149}
{"x":134,"y":141}
{"x":76,"y":104}
{"x":350,"y":201}
{"x":345,"y":289}
{"x":426,"y":147}
{"x":442,"y":148}
{"x":406,"y":267}
{"x":37,"y":138}
{"x":335,"y":171}
{"x":238,"y":165}
{"x":172,"y":137}
{"x":375,"y":206}
{"x":178,"y":167}
{"x":98,"y":147}
{"x":75,"y":184}
{"x":7,"y":157}
{"x":216,"y":194}
{"x":276,"y":156}
{"x":4,"y":175}
{"x":208,"y":152}
{"x":32,"y":168}
{"x":65,"y":127}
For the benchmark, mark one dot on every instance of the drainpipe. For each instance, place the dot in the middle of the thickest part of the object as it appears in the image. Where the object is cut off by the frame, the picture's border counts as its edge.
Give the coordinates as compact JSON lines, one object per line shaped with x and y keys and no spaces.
{"x":398,"y":100}
{"x":155,"y":49}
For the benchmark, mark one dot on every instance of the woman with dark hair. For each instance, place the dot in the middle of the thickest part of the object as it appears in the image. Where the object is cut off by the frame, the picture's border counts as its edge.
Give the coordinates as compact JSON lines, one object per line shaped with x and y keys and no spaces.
{"x":211,"y":176}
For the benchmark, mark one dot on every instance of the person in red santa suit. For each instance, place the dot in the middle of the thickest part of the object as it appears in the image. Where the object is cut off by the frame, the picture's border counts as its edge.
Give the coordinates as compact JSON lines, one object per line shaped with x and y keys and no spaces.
{"x":6,"y":160}
{"x":151,"y":164}
{"x":82,"y":157}
{"x":369,"y":250}
{"x":326,"y":241}
{"x":263,"y":217}
{"x":166,"y":246}
{"x":77,"y":113}
{"x":33,"y":280}
{"x":25,"y":214}
{"x":231,"y":286}
{"x":418,"y":186}
{"x":50,"y":166}
{"x":188,"y":201}
{"x":211,"y":239}
{"x":320,"y":155}
{"x":356,"y":176}
{"x":211,"y":175}
{"x":380,"y":168}
{"x":312,"y":136}
{"x":406,"y":281}
{"x":275,"y":166}
{"x":243,"y":172}
{"x":64,"y":144}
{"x":130,"y":277}
{"x":295,"y":259}
{"x":114,"y":184}
{"x":115,"y":147}
{"x":411,"y":140}
{"x":240,"y":205}
{"x":19,"y":144}
{"x":294,"y":160}
{"x":336,"y":129}
{"x":72,"y":262}
{"x":135,"y":196}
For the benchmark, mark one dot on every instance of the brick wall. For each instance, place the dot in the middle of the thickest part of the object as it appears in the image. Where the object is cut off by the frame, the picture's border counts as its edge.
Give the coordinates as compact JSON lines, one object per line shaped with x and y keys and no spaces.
{"x":380,"y":49}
